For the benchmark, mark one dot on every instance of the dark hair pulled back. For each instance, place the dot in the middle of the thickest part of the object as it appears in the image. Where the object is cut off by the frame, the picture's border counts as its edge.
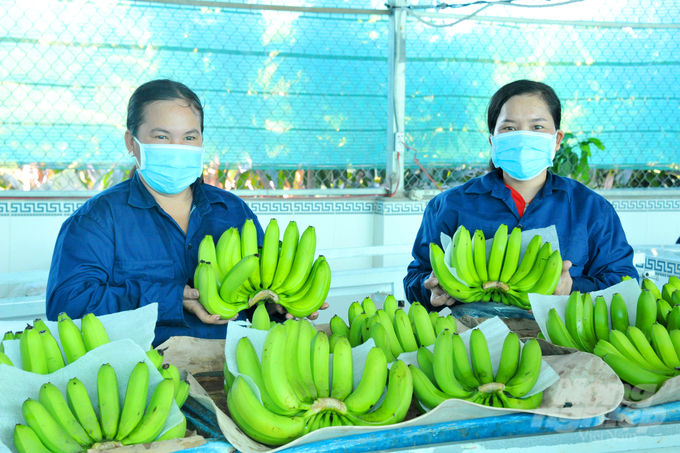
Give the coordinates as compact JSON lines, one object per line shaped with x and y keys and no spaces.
{"x":158,"y":90}
{"x":520,"y":87}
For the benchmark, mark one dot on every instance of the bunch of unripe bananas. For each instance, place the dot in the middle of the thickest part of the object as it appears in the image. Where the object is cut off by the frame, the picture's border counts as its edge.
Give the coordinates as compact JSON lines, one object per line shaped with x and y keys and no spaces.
{"x":298,"y":392}
{"x":446,"y":373}
{"x":393,"y":329}
{"x":236,"y":274}
{"x":501,"y":278}
{"x":55,"y":424}
{"x":644,"y":355}
{"x":40,"y":352}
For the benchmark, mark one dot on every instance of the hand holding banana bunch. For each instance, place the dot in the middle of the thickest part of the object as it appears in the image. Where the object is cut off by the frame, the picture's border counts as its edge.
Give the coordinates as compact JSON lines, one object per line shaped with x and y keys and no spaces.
{"x":70,"y":425}
{"x":236,"y":274}
{"x":644,"y":355}
{"x":392,"y":329}
{"x":298,"y":392}
{"x":503,"y":278}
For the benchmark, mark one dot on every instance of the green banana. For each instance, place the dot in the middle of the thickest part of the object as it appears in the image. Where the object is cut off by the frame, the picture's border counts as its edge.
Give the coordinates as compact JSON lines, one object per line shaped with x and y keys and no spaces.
{"x":619,"y":313}
{"x":135,"y":400}
{"x":39,"y":325}
{"x":551,"y":275}
{"x":170,"y":371}
{"x":182,"y":394}
{"x":498,"y":246}
{"x":404,"y":331}
{"x":290,"y":357}
{"x":209,"y":295}
{"x":635,"y":375}
{"x":320,"y":364}
{"x":427,"y":394}
{"x":667,"y":291}
{"x":443,"y":368}
{"x":48,"y":430}
{"x":274,"y":367}
{"x":369,"y":306}
{"x":303,"y":359}
{"x":646,"y":312}
{"x":673,"y":319}
{"x":558,"y":332}
{"x":661,"y":341}
{"x":528,"y":370}
{"x":532,"y":402}
{"x":332,"y":341}
{"x":674,"y":281}
{"x":109,"y":404}
{"x":601,"y":319}
{"x":573,"y":314}
{"x":372,"y":383}
{"x":302,"y":264}
{"x":462,"y":369}
{"x":53,"y":401}
{"x":315,"y":296}
{"x":53,"y":356}
{"x":27,"y":441}
{"x":79,"y":402}
{"x":224,"y":250}
{"x":356,"y":329}
{"x":4,"y":360}
{"x":354,"y":309}
{"x":621,"y":342}
{"x":480,"y":358}
{"x":234,"y":279}
{"x":207,"y":253}
{"x":390,"y":306}
{"x":270,"y":254}
{"x":32,"y":351}
{"x":441,"y":325}
{"x":462,"y":259}
{"x":589,"y":321}
{"x":509,"y":358}
{"x":511,"y":260}
{"x":397,"y":400}
{"x":537,"y":270}
{"x":176,"y":432}
{"x":425,"y":359}
{"x":651,"y":286}
{"x":155,"y":416}
{"x":434,"y":316}
{"x":261,"y":319}
{"x":641,"y":343}
{"x":343,"y":371}
{"x":287,"y":255}
{"x":94,"y":333}
{"x":675,"y":339}
{"x":663,"y":308}
{"x":249,"y":248}
{"x":528,"y":261}
{"x":338,"y":326}
{"x":423,"y":325}
{"x":156,"y":357}
{"x":386,"y":320}
{"x":479,"y":255}
{"x":377,"y":332}
{"x":455,"y":288}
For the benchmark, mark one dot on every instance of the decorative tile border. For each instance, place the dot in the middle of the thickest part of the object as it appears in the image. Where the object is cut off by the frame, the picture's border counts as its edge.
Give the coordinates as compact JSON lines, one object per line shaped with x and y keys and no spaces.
{"x":662,"y":266}
{"x":637,"y":205}
{"x":38,"y":208}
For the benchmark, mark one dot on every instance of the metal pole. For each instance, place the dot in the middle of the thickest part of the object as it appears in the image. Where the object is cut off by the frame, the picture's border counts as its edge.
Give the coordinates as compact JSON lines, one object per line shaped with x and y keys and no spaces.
{"x":396,"y":93}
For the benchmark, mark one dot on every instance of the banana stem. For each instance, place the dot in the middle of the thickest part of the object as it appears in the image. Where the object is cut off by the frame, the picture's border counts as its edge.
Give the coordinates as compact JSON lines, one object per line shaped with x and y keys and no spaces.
{"x":323,"y":404}
{"x":496,"y":285}
{"x":266,"y":295}
{"x":491,"y":387}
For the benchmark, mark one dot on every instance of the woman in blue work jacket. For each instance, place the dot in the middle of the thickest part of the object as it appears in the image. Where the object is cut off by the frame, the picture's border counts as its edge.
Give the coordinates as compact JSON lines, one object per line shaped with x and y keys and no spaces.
{"x":137,"y":242}
{"x":524,"y":123}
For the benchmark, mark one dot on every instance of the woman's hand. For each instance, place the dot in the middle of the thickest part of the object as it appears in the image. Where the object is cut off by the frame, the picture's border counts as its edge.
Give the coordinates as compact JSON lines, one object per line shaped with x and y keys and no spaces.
{"x":565,"y":284}
{"x":192,"y":305}
{"x":278,"y":308}
{"x":438,"y":296}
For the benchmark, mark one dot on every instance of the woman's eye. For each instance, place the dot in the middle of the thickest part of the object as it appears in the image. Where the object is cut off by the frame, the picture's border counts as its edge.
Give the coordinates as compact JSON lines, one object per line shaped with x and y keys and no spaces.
{"x":161,"y":137}
{"x":509,"y":128}
{"x":538,"y":126}
{"x":189,"y":138}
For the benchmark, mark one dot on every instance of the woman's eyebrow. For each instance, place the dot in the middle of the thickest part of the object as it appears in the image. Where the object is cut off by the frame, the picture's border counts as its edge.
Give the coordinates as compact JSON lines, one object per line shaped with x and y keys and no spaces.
{"x":192,"y":131}
{"x":158,"y":129}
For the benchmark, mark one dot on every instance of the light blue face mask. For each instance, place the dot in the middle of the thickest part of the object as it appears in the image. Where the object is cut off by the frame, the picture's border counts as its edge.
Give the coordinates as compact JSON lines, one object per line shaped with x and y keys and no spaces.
{"x":523,"y":154}
{"x":169,"y":169}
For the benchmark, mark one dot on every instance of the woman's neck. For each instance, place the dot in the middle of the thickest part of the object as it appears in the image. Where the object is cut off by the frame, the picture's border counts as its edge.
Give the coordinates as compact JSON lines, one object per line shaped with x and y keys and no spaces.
{"x":527,"y":189}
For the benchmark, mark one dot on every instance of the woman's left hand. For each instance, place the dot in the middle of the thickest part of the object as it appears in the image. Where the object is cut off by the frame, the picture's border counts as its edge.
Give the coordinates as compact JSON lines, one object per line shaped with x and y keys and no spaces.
{"x":564,"y":286}
{"x":281,"y":310}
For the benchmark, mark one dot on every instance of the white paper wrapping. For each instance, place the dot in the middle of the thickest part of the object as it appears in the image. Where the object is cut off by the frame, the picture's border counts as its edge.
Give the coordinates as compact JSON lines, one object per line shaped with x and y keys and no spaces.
{"x":18,"y":385}
{"x":136,"y":325}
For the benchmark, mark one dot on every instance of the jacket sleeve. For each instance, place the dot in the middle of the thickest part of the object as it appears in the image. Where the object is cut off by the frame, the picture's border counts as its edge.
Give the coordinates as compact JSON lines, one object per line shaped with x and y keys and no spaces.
{"x":611,"y":257}
{"x":81,"y":281}
{"x":420,"y":268}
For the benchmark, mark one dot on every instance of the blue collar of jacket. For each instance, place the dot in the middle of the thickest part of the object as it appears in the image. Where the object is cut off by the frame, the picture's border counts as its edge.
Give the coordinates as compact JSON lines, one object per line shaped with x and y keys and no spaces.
{"x":141,"y":198}
{"x":493,"y":182}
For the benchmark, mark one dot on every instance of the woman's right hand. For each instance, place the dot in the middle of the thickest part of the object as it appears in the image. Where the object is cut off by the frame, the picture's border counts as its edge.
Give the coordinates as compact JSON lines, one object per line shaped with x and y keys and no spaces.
{"x":192,"y":305}
{"x":438,"y":296}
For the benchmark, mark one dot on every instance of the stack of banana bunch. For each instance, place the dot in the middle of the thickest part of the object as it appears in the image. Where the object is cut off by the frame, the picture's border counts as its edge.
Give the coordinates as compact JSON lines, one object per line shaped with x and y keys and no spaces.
{"x":503,"y":278}
{"x":69,"y":425}
{"x":392,"y":329}
{"x":40,"y":352}
{"x":446,"y":373}
{"x":236,"y":274}
{"x":298,"y":392}
{"x":644,"y":355}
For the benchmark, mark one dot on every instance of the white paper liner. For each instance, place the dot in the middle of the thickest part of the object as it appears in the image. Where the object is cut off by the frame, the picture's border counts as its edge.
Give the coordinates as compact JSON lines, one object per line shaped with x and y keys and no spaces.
{"x":494,"y":331}
{"x":136,"y":325}
{"x":541,"y":305}
{"x":548,"y":234}
{"x":239,"y":329}
{"x":18,"y":385}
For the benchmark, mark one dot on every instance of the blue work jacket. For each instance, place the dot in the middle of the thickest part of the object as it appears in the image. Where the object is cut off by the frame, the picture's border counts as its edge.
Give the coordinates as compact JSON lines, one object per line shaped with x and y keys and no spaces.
{"x":120,"y":251}
{"x":588,"y":228}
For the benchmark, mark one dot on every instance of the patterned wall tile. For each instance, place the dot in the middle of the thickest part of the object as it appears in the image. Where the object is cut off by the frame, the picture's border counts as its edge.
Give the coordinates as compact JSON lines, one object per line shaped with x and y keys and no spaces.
{"x":38,"y":208}
{"x":662,"y":266}
{"x":633,"y":205}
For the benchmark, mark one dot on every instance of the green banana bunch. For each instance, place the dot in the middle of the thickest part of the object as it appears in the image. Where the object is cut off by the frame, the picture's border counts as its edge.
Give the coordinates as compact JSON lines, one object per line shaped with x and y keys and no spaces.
{"x":503,"y":277}
{"x":224,"y":300}
{"x":71,"y":424}
{"x":449,"y":373}
{"x":298,"y":394}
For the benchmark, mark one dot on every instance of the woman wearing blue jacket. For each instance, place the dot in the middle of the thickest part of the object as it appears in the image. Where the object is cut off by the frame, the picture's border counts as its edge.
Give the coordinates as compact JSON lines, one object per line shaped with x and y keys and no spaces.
{"x":137,"y":242}
{"x":524,"y":123}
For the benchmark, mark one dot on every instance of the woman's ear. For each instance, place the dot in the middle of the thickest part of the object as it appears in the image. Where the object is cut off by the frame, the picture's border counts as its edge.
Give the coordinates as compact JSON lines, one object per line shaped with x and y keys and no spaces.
{"x":130,"y":143}
{"x":560,"y":136}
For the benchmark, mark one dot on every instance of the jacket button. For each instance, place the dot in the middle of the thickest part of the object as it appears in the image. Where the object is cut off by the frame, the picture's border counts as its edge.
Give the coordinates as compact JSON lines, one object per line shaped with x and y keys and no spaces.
{"x":518,"y":226}
{"x":189,"y":246}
